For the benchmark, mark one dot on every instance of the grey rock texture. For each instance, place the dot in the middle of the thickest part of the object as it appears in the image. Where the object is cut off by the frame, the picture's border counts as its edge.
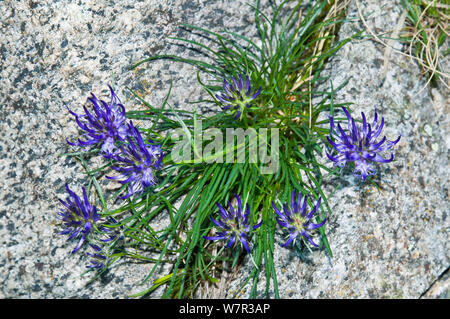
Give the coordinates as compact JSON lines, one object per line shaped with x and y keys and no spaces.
{"x":392,"y":243}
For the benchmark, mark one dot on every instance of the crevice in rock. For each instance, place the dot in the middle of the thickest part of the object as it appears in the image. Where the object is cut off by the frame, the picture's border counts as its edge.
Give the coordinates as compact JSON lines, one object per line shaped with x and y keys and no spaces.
{"x":444,"y":275}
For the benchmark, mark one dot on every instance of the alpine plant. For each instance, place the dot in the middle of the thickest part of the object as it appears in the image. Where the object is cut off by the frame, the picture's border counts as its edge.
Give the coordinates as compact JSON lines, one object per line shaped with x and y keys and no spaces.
{"x":359,"y":144}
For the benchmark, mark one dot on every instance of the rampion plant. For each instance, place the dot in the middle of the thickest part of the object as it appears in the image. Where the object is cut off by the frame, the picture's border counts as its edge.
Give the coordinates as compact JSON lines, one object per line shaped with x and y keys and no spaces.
{"x":267,"y":88}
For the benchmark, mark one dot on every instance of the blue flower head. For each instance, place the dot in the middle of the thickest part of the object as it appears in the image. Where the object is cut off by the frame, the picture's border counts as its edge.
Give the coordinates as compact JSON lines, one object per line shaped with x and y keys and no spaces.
{"x":296,"y":220}
{"x":358,"y":144}
{"x":137,"y":162}
{"x":237,"y":95}
{"x":234,"y":225}
{"x":104,"y":126}
{"x":78,"y":217}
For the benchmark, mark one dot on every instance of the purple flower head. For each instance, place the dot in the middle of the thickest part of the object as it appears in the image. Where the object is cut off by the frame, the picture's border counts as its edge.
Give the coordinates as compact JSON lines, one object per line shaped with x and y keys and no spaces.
{"x":137,"y":162}
{"x":296,"y":220}
{"x":234,"y":225}
{"x":104,"y":126}
{"x":78,"y":217}
{"x":359,"y":144}
{"x":98,"y":258}
{"x":237,"y":95}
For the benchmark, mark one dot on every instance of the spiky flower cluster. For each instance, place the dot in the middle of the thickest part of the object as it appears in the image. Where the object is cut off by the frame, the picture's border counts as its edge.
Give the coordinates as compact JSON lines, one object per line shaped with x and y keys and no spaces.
{"x":137,"y":160}
{"x":237,"y":95}
{"x":296,"y":220}
{"x":358,"y":144}
{"x":234,"y":225}
{"x":119,"y":140}
{"x":104,"y":126}
{"x":82,"y":220}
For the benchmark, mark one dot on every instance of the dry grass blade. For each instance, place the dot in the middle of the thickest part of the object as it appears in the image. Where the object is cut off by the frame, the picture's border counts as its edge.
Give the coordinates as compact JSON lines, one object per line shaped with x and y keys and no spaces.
{"x":429,"y":54}
{"x":338,"y":8}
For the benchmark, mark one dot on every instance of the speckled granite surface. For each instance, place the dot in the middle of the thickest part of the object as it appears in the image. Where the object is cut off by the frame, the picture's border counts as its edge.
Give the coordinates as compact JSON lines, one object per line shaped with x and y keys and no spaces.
{"x":392,"y":243}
